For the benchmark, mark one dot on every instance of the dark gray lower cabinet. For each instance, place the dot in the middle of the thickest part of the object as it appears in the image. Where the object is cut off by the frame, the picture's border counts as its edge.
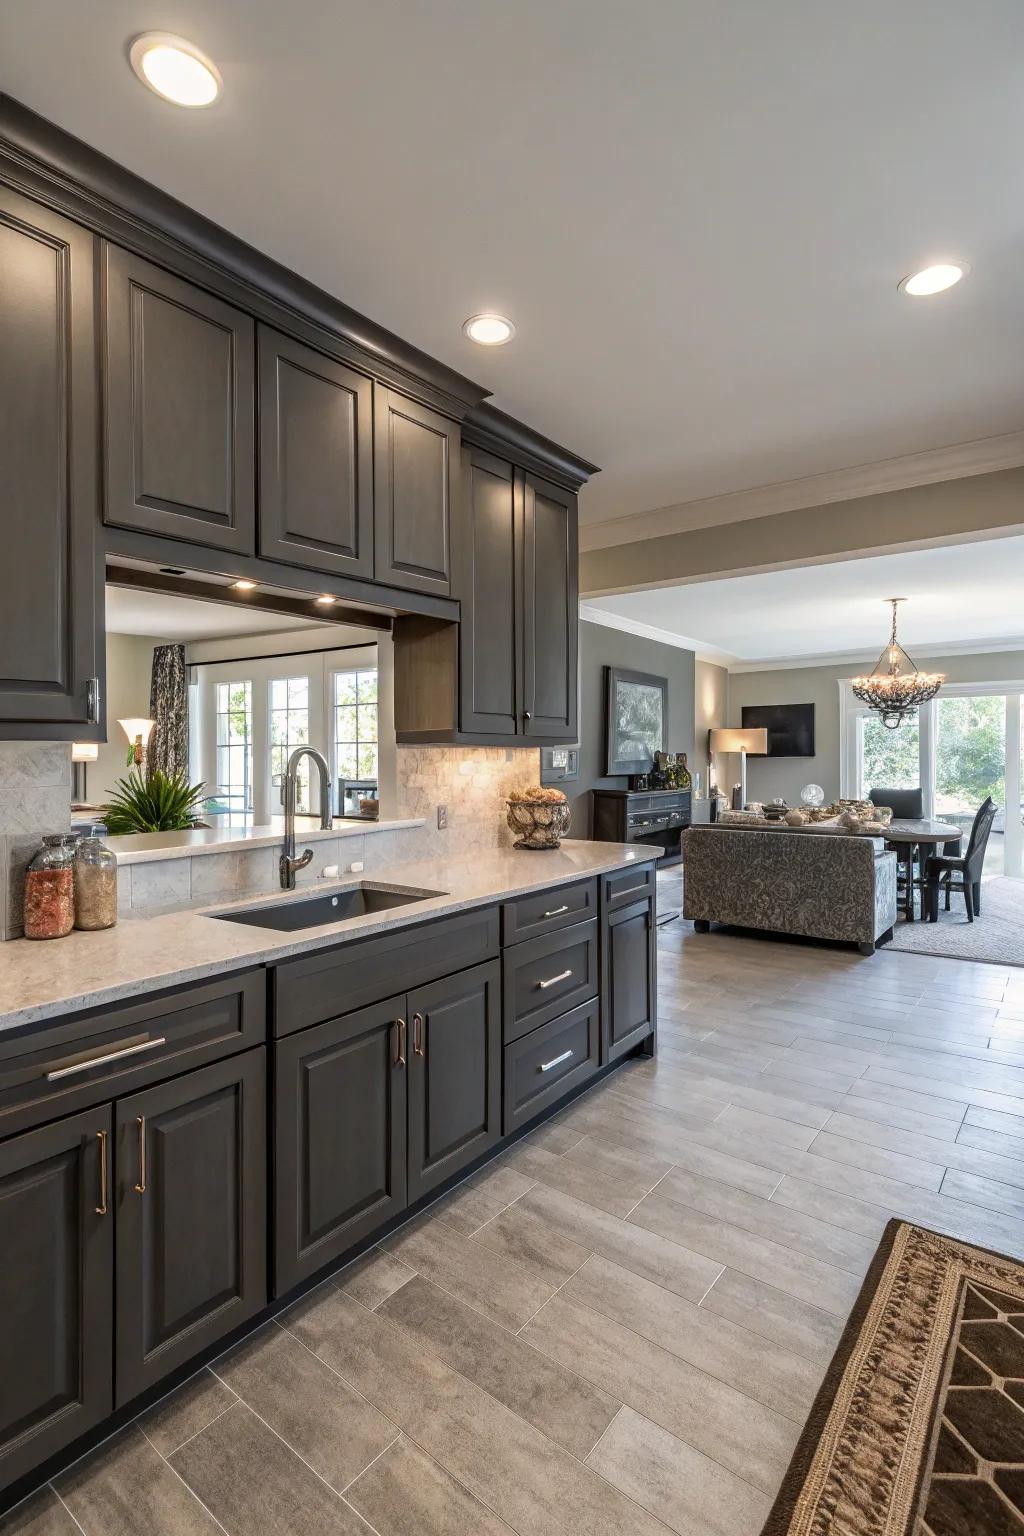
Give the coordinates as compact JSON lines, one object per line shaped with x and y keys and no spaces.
{"x":628,"y":984}
{"x":454,"y":1074}
{"x":56,"y":1288}
{"x":340,"y":1136}
{"x":191,"y":1216}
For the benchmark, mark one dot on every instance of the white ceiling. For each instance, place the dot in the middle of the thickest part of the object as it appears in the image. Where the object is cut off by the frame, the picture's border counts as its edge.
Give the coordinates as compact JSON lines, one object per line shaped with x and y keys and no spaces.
{"x":696,"y":214}
{"x":963,"y":596}
{"x":131,"y":612}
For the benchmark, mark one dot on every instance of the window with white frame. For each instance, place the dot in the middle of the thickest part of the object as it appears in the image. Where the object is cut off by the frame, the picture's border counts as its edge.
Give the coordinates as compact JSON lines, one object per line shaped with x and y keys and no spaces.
{"x":355,"y":724}
{"x":289,"y":728}
{"x":231,"y":800}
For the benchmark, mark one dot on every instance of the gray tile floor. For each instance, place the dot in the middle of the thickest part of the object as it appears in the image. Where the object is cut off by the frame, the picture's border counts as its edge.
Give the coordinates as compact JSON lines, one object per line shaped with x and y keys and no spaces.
{"x":619,"y":1327}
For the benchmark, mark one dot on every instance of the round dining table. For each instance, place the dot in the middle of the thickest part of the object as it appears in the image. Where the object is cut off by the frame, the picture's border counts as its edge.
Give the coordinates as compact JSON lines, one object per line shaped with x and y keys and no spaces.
{"x":908,"y":838}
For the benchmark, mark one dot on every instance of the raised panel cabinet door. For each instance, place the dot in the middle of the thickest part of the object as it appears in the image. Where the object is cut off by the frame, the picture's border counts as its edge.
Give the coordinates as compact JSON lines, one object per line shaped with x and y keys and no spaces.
{"x":179,"y":402}
{"x":191,"y":1216}
{"x":416,"y":461}
{"x":340,"y":1136}
{"x":628,"y":978}
{"x":50,"y":584}
{"x":489,"y":588}
{"x":454,"y":1074}
{"x":551,"y":620}
{"x":56,"y":1288}
{"x":316,"y":459}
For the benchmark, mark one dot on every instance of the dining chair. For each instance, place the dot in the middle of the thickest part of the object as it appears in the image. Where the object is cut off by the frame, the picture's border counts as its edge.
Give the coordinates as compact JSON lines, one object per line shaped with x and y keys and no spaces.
{"x":941,"y":869}
{"x":905,"y":804}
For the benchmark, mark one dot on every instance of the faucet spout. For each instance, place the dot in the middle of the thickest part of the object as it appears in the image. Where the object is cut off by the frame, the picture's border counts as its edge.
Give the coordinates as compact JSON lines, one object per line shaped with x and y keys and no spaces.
{"x":288,"y":861}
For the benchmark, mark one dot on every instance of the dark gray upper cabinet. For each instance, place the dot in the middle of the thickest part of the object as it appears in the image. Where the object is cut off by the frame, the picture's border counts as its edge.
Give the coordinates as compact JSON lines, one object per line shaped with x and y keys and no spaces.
{"x":454,"y":1074}
{"x":179,"y":407}
{"x":316,"y":459}
{"x":489,"y":586}
{"x":550,"y":610}
{"x":50,"y":589}
{"x":416,"y":461}
{"x":191,"y":1216}
{"x":340,"y":1136}
{"x":56,"y":1288}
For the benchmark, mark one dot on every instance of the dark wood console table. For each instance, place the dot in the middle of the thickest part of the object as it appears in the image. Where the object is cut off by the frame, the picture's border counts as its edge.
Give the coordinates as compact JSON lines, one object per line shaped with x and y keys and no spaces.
{"x":654,"y":817}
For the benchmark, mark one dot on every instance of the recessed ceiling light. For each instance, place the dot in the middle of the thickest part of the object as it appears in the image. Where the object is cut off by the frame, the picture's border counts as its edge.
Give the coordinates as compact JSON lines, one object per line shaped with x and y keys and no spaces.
{"x":175,"y":69}
{"x":935,"y":279}
{"x":244,"y":586}
{"x":325,"y":600}
{"x":489,"y":330}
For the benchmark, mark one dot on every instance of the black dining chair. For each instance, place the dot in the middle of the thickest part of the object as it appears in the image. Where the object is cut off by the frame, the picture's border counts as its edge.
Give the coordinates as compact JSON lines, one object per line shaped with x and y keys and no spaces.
{"x":905,"y":804}
{"x":941,"y":869}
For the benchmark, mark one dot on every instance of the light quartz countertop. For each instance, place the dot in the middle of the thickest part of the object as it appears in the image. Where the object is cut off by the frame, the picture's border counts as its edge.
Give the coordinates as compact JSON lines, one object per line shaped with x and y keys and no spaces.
{"x":144,"y":847}
{"x":44,"y":979}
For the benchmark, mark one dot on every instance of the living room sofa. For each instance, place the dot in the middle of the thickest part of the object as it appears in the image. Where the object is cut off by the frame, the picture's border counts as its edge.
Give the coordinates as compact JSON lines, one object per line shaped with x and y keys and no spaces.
{"x":822,"y":885}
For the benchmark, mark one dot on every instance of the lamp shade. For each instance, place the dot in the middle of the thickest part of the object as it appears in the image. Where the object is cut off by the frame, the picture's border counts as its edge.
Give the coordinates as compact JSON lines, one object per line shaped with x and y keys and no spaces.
{"x":133,"y":729}
{"x":84,"y":751}
{"x":734,"y":738}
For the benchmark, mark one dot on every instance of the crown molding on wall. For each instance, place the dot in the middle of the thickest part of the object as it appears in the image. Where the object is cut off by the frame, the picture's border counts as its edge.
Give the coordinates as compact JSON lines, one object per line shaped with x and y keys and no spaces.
{"x":861,"y":660}
{"x":591,"y":615}
{"x":955,"y":462}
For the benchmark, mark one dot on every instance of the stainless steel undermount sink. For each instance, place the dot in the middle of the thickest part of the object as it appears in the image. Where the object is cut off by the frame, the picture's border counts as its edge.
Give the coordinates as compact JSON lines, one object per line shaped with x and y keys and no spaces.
{"x":333,"y":906}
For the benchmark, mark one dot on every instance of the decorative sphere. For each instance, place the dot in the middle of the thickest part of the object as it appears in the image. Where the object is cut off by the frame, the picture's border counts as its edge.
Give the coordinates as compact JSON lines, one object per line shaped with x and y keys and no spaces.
{"x":812,"y":794}
{"x":795,"y":818}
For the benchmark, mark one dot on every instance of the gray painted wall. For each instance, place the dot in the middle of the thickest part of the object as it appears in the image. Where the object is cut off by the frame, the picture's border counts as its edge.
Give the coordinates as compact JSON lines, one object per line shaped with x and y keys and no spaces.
{"x":786,"y":776}
{"x":602,"y":647}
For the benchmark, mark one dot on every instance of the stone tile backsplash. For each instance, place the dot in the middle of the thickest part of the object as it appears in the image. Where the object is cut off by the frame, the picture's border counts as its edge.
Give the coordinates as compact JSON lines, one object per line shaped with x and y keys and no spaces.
{"x":35,"y":798}
{"x":473,"y":782}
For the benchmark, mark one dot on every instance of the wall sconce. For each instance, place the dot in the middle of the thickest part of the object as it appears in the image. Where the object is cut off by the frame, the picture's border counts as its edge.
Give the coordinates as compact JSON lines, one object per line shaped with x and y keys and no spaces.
{"x":138,"y":733}
{"x":729,"y":738}
{"x":82,"y":752}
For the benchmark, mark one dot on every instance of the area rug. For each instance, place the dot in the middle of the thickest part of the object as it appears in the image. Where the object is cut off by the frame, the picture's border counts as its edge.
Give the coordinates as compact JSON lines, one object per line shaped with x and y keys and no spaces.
{"x":918,"y":1429}
{"x":996,"y":936}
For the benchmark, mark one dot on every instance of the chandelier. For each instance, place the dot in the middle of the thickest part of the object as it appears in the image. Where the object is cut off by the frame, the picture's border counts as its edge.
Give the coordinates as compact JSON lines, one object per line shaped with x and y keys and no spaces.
{"x":895,"y":688}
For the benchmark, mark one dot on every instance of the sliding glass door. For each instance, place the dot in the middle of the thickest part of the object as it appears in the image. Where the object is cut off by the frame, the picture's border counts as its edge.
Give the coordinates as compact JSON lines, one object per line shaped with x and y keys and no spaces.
{"x":963,"y":746}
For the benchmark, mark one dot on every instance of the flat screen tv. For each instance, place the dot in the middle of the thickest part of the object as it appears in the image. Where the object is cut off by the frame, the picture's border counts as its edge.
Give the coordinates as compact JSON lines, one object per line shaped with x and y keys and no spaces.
{"x":790,"y":727}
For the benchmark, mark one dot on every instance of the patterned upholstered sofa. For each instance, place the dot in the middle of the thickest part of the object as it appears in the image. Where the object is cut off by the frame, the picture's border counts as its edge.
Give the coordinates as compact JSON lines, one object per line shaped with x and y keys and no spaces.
{"x":818,"y":885}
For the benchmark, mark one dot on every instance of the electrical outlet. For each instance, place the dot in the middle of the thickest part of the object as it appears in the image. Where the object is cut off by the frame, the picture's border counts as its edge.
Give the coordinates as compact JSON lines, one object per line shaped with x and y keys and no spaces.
{"x":442,"y":818}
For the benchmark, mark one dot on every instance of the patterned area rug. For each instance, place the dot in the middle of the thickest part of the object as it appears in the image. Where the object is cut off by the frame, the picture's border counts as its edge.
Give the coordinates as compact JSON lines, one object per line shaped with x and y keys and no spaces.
{"x":997,"y":935}
{"x":918,"y":1429}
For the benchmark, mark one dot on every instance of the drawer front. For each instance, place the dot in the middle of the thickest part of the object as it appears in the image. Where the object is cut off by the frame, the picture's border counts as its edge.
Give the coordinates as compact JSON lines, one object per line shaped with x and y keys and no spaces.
{"x":547,"y":911}
{"x":336,"y":981}
{"x":543,"y":977}
{"x":544,"y":1066}
{"x":60,"y":1068}
{"x":625,"y":885}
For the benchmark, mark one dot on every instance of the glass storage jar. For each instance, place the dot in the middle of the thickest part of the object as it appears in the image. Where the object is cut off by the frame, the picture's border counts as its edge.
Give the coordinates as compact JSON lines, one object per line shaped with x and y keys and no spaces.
{"x":50,"y":889}
{"x":95,"y":871}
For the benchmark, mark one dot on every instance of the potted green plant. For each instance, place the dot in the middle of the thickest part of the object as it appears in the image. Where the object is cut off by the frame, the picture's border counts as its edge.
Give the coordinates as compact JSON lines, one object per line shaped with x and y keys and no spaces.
{"x":153,"y":802}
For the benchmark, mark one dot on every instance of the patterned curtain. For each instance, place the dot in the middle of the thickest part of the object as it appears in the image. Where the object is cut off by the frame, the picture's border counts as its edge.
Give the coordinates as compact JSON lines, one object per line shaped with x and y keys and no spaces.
{"x":168,"y":707}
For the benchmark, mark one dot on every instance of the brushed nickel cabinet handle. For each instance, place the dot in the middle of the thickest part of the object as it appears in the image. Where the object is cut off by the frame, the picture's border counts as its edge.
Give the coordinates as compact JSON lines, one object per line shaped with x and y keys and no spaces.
{"x":630,"y":889}
{"x":92,"y":700}
{"x":417,"y":1034}
{"x":101,"y":1209}
{"x":140,"y":1188}
{"x":527,"y":715}
{"x":546,"y":1066}
{"x":562,"y":976}
{"x":103,"y":1061}
{"x":399,"y":1042}
{"x":557,"y":911}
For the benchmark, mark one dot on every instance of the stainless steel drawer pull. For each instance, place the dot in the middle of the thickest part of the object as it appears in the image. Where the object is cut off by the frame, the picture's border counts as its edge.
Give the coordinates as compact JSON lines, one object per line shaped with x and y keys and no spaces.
{"x":103,"y":1061}
{"x":562,"y":976}
{"x":630,"y":889}
{"x":546,"y":1066}
{"x":557,"y":911}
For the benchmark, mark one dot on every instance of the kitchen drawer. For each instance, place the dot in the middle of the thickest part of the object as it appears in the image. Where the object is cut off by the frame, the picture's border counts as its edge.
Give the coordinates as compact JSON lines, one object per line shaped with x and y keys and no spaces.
{"x":547,"y":911}
{"x":625,"y":885}
{"x":544,"y":1066}
{"x":543,"y":977}
{"x":57,"y":1069}
{"x":336,"y":981}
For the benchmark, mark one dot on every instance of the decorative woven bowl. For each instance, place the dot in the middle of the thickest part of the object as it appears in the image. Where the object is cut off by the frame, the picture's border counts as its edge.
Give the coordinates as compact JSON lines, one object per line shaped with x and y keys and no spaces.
{"x":538,"y":823}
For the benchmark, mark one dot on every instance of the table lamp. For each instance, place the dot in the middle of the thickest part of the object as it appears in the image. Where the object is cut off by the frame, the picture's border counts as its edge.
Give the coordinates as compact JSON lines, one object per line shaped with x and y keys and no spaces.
{"x":741,"y":739}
